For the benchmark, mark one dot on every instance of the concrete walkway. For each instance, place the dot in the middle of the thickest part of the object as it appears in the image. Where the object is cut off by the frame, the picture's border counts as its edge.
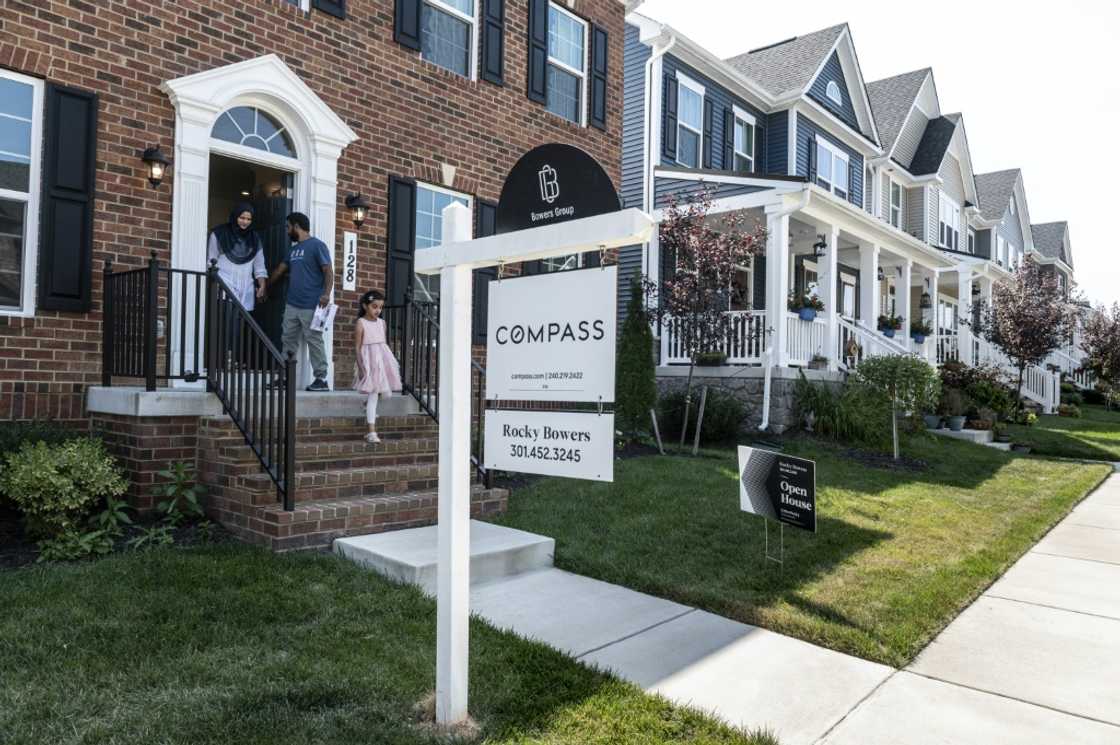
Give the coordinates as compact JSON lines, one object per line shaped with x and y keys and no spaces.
{"x":1035,"y":659}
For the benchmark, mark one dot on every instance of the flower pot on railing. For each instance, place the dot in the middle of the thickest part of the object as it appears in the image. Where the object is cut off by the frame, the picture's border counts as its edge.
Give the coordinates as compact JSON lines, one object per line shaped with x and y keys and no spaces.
{"x":807,"y":314}
{"x":918,"y":338}
{"x":805,"y":306}
{"x":889,"y":333}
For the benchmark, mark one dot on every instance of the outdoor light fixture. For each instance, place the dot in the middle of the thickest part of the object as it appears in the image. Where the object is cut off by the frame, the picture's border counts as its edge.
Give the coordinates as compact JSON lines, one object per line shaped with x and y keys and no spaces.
{"x":880,"y":276}
{"x":157,"y":163}
{"x":359,"y":207}
{"x":819,"y":247}
{"x":925,"y":302}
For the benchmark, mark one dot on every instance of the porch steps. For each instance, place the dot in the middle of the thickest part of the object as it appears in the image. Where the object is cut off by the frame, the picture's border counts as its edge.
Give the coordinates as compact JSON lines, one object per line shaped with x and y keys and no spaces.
{"x":411,"y":555}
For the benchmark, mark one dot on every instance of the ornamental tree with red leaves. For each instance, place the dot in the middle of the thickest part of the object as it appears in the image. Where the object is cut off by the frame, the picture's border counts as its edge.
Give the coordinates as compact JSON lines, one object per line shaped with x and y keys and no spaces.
{"x":701,"y":253}
{"x":1029,"y":317}
{"x":1100,"y":338}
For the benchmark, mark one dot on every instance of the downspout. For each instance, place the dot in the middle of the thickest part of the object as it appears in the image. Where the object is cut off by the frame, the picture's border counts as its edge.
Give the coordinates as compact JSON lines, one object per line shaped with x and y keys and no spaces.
{"x":768,"y":355}
{"x":647,"y":125}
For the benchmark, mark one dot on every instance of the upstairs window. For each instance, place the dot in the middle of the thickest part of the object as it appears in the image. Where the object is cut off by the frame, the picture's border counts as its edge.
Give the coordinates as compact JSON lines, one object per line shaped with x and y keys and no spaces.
{"x":690,"y":122}
{"x":447,"y":33}
{"x":1001,"y":251}
{"x":949,"y":226}
{"x":744,"y":141}
{"x":430,"y":202}
{"x":567,"y":64}
{"x":832,"y":168}
{"x":832,"y":92}
{"x":896,"y":205}
{"x":971,"y":241}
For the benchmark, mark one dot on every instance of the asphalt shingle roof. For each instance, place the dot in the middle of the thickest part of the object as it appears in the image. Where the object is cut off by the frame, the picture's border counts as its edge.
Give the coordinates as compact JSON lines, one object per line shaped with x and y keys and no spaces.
{"x":1049,"y":240}
{"x":789,"y":65}
{"x":891,"y":99}
{"x":995,"y":191}
{"x":935,"y":141}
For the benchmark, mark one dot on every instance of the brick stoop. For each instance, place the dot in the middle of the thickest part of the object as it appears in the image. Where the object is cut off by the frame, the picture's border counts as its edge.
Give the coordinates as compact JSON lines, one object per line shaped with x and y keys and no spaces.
{"x":344,"y":486}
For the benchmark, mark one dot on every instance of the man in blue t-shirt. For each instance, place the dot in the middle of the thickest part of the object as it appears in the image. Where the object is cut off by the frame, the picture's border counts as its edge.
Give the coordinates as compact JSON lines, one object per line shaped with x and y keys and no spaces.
{"x":311,"y":279}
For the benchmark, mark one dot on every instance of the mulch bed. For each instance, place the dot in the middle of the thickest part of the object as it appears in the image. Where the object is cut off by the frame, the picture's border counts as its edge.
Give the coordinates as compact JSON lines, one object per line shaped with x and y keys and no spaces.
{"x":885,"y":461}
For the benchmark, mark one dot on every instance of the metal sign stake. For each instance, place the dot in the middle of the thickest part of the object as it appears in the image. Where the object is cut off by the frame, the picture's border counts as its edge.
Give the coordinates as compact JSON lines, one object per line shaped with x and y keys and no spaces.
{"x":780,"y":559}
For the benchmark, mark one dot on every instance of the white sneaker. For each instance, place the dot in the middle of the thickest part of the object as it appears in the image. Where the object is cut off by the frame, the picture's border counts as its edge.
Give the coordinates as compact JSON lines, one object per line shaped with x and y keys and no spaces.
{"x":372,"y":438}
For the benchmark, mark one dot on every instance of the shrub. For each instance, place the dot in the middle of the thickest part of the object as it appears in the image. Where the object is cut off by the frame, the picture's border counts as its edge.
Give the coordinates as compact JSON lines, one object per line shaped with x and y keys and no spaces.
{"x":953,"y":402}
{"x":56,"y":486}
{"x":723,"y":416}
{"x":996,"y":397}
{"x":14,"y":435}
{"x":635,"y":379}
{"x":1095,"y":397}
{"x":906,"y":384}
{"x":853,"y":413}
{"x":181,"y":494}
{"x":1026,"y":418}
{"x":1073,"y":399}
{"x":1069,"y":410}
{"x":1069,"y":388}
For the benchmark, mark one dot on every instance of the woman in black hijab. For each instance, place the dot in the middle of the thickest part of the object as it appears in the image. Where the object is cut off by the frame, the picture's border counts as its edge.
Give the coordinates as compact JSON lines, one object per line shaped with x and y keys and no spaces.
{"x":239,"y":251}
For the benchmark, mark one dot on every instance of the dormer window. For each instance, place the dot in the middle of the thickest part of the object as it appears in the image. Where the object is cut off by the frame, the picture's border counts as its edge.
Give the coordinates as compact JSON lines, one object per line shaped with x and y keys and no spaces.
{"x":832,"y":91}
{"x":1011,"y":205}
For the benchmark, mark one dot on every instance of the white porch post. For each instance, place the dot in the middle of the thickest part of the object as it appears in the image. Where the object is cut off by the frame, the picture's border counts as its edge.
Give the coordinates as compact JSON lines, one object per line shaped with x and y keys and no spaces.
{"x":454,"y":510}
{"x":904,"y":300}
{"x":869,"y":285}
{"x":777,"y":282}
{"x":964,"y":308}
{"x":931,"y":342}
{"x":830,"y":296}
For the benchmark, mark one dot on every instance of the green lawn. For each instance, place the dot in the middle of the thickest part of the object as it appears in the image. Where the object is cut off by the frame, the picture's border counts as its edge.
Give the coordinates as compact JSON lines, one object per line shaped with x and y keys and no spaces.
{"x":1095,"y":436}
{"x":897,"y":554}
{"x":229,"y":644}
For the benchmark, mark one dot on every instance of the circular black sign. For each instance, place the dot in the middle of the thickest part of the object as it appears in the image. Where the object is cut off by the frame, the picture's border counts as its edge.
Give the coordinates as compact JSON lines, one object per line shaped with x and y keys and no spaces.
{"x":554,"y":183}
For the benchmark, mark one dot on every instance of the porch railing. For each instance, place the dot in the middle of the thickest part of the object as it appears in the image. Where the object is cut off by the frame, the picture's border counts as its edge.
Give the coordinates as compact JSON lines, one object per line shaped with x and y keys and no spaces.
{"x":948,"y":348}
{"x":162,"y":324}
{"x":856,"y":343}
{"x":805,"y":339}
{"x":743,"y":345}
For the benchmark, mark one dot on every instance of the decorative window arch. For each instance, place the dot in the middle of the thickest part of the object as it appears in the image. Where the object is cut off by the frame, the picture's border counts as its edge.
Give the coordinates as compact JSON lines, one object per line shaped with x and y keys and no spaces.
{"x":250,"y":126}
{"x":832,"y":91}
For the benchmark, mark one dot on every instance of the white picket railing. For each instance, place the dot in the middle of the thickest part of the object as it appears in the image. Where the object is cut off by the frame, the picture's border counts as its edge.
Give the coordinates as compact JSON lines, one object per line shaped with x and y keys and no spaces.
{"x":1039,"y":384}
{"x":804,"y":339}
{"x":743,"y":345}
{"x":948,"y":348}
{"x":856,"y":343}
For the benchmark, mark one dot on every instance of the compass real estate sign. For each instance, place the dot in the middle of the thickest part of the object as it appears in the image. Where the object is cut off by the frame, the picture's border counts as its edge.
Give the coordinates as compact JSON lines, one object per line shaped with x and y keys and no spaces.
{"x":778,"y":487}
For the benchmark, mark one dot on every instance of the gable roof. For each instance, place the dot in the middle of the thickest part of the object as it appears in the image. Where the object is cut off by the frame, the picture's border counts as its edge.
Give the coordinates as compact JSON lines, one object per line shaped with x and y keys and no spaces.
{"x":935,"y":143}
{"x":891,"y":100}
{"x":995,"y":191}
{"x":788,"y":66}
{"x":1050,"y":241}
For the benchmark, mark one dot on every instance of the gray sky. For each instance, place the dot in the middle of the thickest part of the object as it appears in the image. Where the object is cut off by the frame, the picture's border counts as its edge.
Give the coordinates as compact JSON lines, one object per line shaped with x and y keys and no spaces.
{"x":1035,"y":81}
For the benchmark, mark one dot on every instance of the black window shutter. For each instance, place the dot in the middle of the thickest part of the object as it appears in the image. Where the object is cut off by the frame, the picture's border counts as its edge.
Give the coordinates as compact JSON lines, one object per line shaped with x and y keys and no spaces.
{"x":759,"y":149}
{"x":406,"y":24}
{"x":336,"y":8}
{"x":532,"y":267}
{"x":487,"y":214}
{"x":812,"y":161}
{"x":493,"y":41}
{"x":669,"y":120}
{"x":592,"y":258}
{"x":709,"y":114}
{"x":538,"y":51}
{"x":599,"y":49}
{"x":853,"y":196}
{"x":729,"y":139}
{"x":66,"y":249}
{"x":758,"y":279}
{"x":402,"y":240}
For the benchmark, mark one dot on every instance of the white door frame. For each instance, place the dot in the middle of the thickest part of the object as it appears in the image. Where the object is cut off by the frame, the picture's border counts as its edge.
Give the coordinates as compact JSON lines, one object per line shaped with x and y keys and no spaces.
{"x":318,"y":135}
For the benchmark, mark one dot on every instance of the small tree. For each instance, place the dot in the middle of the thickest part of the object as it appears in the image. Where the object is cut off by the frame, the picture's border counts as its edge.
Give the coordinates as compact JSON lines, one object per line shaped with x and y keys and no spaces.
{"x":1100,"y":338}
{"x":635,"y":377}
{"x":1029,"y":318}
{"x":704,"y":251}
{"x":907,"y":382}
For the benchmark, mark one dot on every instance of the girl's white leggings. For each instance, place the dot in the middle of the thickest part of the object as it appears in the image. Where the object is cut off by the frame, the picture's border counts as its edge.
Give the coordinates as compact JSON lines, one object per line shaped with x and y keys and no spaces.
{"x":371,"y":408}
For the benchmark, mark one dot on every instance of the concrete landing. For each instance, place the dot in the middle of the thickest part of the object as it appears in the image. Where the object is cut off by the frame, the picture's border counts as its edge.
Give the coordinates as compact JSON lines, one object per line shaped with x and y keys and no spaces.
{"x":410,"y":556}
{"x":978,"y":436}
{"x":172,"y":402}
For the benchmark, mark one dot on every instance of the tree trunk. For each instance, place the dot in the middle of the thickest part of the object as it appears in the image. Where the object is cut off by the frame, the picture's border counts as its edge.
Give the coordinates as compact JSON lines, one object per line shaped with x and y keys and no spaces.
{"x":894,"y":427}
{"x":1019,"y":390}
{"x":687,"y":400}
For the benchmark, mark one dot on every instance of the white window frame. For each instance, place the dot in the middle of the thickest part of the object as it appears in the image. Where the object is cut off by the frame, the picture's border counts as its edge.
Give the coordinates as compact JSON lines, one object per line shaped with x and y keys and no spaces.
{"x":830,"y":89}
{"x":947,"y":208}
{"x":439,"y":190}
{"x":971,"y":245}
{"x":836,"y":154}
{"x":894,"y":211}
{"x":304,"y":5}
{"x":581,"y":74}
{"x":30,"y":257}
{"x":742,"y":116}
{"x":1011,"y":204}
{"x":683,"y":81}
{"x":473,"y":22}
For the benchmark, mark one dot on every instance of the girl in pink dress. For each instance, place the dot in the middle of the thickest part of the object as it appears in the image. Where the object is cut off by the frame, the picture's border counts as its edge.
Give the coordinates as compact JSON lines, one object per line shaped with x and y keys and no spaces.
{"x":377,"y":369}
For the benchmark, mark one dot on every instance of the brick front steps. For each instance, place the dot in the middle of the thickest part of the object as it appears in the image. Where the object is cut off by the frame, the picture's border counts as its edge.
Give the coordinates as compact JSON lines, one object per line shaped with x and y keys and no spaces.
{"x":344,"y":486}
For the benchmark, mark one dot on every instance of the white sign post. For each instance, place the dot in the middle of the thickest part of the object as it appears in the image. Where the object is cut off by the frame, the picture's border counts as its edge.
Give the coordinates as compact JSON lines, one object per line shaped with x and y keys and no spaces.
{"x":453,"y":261}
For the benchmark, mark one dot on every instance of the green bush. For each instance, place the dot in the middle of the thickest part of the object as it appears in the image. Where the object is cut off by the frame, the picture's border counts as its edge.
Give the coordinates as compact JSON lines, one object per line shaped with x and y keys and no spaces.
{"x":723,"y":416}
{"x":985,"y":394}
{"x":1095,"y":397}
{"x":1073,"y":399}
{"x":1069,"y":410}
{"x":56,"y":486}
{"x":852,"y":413}
{"x":635,"y":379}
{"x":13,"y":435}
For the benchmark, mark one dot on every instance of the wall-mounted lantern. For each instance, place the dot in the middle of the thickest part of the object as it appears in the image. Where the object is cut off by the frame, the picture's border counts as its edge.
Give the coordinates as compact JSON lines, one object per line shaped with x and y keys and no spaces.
{"x":359,"y":208}
{"x":157,"y":164}
{"x":819,"y":247}
{"x":925,"y":302}
{"x":880,"y":275}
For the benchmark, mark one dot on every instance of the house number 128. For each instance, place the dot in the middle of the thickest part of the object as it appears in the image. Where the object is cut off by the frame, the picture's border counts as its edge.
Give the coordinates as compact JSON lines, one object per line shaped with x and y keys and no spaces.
{"x":349,"y":261}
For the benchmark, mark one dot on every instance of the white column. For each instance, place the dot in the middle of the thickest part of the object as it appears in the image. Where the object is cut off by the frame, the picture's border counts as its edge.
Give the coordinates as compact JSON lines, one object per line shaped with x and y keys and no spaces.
{"x":322,"y":209}
{"x":964,"y":310}
{"x":869,"y":284}
{"x":453,"y":581}
{"x":777,"y":283}
{"x":830,"y":295}
{"x":931,"y":276}
{"x":904,"y":300}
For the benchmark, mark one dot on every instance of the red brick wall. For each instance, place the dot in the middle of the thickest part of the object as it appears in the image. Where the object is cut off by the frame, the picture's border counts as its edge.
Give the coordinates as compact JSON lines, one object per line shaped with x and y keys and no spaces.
{"x":144,"y":446}
{"x":410,"y":117}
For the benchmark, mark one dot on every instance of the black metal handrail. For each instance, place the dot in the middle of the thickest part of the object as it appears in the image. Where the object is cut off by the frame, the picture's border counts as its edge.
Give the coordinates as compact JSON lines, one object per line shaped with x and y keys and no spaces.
{"x":414,"y":339}
{"x":211,"y":337}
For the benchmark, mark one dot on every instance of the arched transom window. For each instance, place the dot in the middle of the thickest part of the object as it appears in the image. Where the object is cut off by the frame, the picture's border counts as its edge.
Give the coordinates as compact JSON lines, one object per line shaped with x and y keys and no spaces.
{"x":251,"y":127}
{"x":832,"y":90}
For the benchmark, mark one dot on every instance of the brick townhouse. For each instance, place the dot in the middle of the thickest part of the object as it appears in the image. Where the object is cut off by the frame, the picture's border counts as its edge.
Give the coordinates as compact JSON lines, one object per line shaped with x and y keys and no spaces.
{"x":301,"y":105}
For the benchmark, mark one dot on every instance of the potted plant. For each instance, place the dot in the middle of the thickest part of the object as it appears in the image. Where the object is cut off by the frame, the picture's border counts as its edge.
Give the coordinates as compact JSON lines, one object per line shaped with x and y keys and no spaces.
{"x":890,"y":324}
{"x":999,"y":429}
{"x":933,"y":421}
{"x":818,"y":362}
{"x":955,"y":405}
{"x":710,"y":359}
{"x":919,"y":330}
{"x":805,"y":306}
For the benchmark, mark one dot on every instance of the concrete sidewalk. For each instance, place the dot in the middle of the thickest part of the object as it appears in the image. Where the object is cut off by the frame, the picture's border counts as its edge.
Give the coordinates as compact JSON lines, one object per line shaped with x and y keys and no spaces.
{"x":1035,"y":659}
